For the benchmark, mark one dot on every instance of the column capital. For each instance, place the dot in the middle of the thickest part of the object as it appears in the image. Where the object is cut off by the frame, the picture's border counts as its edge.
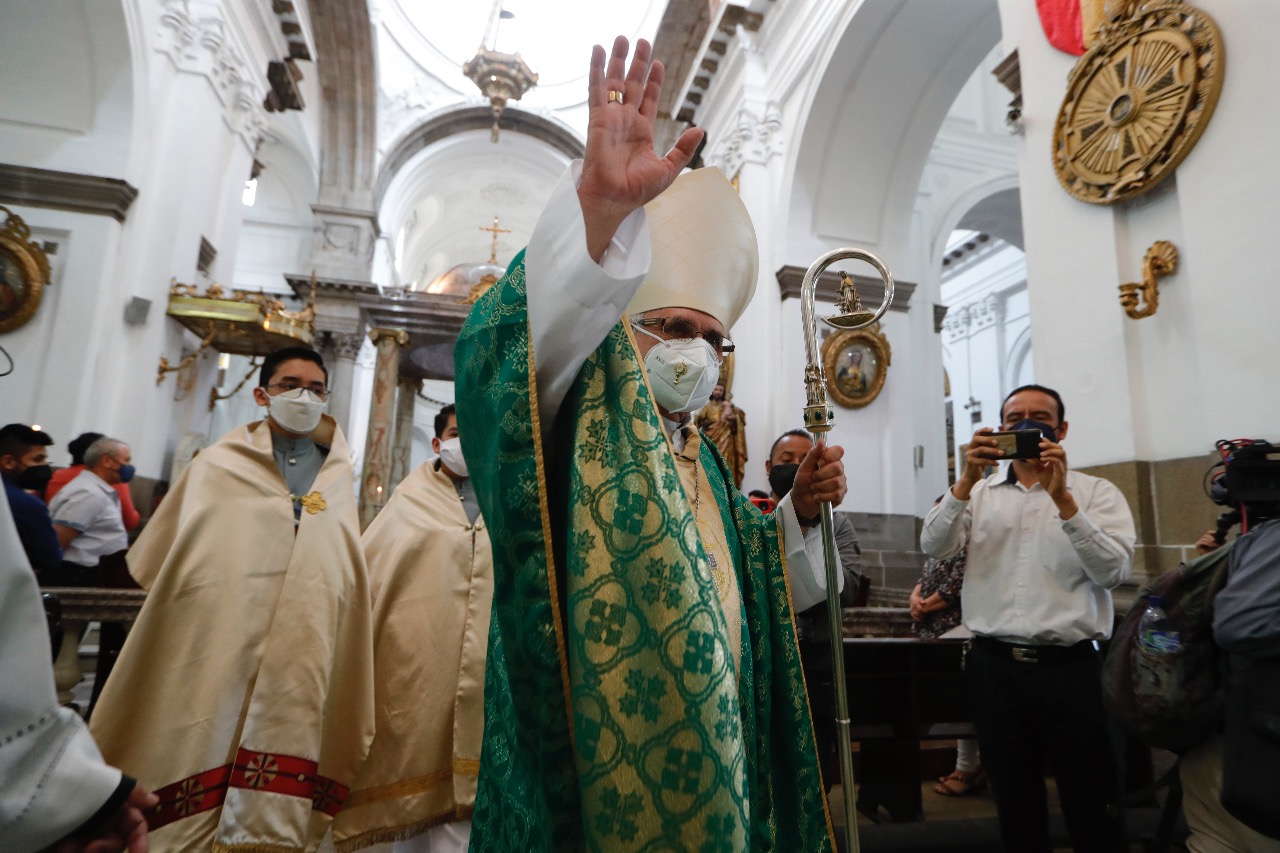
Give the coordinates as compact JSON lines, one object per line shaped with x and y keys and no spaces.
{"x":400,"y":336}
{"x":346,"y":345}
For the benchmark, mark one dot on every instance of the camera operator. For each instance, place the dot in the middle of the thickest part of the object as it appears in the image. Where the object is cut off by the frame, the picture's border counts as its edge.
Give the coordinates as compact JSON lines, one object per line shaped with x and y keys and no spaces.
{"x":1046,"y":547}
{"x":1230,"y":797}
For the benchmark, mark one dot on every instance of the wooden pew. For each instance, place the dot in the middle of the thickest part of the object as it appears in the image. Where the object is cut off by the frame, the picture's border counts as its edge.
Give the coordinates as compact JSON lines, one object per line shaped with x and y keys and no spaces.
{"x":902,"y":690}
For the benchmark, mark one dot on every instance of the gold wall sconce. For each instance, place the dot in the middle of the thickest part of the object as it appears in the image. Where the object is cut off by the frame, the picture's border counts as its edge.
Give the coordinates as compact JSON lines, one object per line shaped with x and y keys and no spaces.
{"x":1141,"y":300}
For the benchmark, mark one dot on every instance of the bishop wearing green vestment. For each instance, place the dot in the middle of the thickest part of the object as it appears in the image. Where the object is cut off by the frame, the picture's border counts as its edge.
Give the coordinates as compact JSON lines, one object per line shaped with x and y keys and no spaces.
{"x":643,"y":688}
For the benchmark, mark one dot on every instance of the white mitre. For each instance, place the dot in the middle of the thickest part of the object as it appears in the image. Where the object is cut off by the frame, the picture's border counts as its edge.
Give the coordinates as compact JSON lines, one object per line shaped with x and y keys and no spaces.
{"x":704,"y":252}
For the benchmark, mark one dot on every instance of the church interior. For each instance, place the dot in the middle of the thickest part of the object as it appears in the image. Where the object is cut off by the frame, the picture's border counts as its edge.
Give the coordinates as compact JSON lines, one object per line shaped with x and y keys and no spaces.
{"x":186,"y":185}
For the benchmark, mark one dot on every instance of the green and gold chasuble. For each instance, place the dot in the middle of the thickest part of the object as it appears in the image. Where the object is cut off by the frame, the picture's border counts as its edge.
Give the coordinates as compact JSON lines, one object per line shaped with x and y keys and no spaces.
{"x":616,"y":715}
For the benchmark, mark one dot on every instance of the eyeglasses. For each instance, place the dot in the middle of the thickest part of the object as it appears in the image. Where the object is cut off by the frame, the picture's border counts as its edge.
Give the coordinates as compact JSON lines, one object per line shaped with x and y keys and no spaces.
{"x":321,"y":393}
{"x":680,"y":328}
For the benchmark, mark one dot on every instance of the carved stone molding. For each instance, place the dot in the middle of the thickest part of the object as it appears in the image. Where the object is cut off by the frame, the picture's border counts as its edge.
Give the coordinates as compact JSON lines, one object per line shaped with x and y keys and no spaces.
{"x":291,"y":28}
{"x":988,"y":312}
{"x":343,"y":242}
{"x":732,"y":16}
{"x":197,"y":43}
{"x":346,"y":346}
{"x":24,"y":185}
{"x":939,"y":317}
{"x":967,"y":320}
{"x":870,"y":289}
{"x":1009,"y":74}
{"x":955,"y":325}
{"x":753,"y":139}
{"x":406,"y":101}
{"x":206,"y":256}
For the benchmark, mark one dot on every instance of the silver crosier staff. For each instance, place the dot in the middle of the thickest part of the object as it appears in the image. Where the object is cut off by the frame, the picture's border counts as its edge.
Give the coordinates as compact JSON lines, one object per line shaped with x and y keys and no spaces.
{"x":818,"y":419}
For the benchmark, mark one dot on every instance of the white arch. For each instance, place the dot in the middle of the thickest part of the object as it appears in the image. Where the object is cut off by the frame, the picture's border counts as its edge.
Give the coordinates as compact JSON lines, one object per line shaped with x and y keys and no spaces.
{"x":1019,"y":353}
{"x":870,"y":114}
{"x":446,"y":193}
{"x":948,"y":216}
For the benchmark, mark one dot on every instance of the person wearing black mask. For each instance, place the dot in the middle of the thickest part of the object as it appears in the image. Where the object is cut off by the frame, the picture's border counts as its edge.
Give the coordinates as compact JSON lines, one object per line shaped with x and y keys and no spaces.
{"x":1046,"y":545}
{"x":24,"y":464}
{"x":812,"y":628}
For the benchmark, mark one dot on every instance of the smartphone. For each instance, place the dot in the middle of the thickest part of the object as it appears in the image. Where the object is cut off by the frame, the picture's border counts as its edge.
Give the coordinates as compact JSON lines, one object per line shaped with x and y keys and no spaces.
{"x":1018,"y":443}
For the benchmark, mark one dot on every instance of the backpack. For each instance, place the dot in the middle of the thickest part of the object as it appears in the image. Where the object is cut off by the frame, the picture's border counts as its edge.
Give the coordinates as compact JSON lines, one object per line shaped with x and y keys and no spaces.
{"x":1170,"y":701}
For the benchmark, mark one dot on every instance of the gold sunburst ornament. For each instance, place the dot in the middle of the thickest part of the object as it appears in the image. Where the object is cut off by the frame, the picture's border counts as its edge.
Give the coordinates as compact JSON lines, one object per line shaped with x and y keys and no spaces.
{"x":1137,"y":100}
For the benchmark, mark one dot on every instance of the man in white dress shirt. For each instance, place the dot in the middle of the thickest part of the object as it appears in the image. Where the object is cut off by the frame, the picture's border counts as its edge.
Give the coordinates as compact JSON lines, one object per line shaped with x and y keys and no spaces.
{"x":1046,"y":547}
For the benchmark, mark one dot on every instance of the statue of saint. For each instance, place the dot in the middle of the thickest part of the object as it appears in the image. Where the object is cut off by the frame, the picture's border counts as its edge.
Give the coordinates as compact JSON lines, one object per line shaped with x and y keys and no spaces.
{"x":726,"y":425}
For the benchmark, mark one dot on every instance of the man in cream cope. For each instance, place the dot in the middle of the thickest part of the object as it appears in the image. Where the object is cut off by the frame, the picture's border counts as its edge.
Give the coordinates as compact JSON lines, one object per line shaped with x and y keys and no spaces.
{"x":431,"y":574}
{"x":244,"y":694}
{"x":643,"y":686}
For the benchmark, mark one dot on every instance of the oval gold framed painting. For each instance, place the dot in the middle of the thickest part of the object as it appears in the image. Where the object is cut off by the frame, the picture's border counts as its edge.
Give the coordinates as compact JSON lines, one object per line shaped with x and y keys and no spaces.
{"x":24,"y":271}
{"x":855,"y":364}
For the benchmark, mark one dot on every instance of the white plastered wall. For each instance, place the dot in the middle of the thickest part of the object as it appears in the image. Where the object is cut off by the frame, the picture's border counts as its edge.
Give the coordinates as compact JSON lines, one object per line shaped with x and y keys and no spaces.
{"x":1167,"y":386}
{"x":165,"y":95}
{"x":832,"y":135}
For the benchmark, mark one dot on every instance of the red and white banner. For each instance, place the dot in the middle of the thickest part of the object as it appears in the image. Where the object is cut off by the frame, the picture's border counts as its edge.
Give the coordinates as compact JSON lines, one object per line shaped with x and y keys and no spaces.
{"x":1061,"y":22}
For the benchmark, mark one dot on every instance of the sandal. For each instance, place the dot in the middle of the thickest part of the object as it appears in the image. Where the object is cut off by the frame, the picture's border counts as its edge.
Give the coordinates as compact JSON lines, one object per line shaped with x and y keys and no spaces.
{"x":961,"y":784}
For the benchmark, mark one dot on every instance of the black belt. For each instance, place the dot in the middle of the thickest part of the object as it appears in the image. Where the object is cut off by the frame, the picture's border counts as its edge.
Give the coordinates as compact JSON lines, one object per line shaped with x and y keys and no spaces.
{"x":1036,"y":654}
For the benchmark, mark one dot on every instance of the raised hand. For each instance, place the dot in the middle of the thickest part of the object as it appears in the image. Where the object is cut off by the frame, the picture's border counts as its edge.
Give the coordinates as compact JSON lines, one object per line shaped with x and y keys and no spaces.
{"x":1051,"y":471}
{"x":981,"y":454}
{"x":621,"y":171}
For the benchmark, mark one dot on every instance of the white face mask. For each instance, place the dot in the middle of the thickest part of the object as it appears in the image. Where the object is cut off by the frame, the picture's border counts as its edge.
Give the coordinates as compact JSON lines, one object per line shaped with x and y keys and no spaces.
{"x":683,"y":373}
{"x":451,"y":456}
{"x":297,"y":411}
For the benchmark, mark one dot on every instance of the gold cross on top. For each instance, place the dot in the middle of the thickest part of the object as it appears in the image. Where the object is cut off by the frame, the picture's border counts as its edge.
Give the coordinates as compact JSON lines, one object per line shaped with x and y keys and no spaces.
{"x":493,"y":251}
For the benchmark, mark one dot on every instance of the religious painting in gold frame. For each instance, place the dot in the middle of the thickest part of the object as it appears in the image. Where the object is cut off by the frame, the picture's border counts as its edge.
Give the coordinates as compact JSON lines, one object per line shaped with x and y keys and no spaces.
{"x":24,"y":271}
{"x":855,"y":364}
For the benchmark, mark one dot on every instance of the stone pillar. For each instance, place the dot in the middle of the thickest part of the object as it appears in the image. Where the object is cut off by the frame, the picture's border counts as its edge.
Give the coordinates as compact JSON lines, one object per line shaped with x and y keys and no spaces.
{"x":402,"y":448}
{"x":375,"y":480}
{"x":345,"y":348}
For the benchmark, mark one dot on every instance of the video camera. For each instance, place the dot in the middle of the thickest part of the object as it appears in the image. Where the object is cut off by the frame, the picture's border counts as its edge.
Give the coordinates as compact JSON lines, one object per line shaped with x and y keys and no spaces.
{"x":1247,"y":480}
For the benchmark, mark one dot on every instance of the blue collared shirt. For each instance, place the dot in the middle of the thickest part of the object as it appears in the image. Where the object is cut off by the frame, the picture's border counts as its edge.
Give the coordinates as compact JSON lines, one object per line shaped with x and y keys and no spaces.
{"x":35,"y":528}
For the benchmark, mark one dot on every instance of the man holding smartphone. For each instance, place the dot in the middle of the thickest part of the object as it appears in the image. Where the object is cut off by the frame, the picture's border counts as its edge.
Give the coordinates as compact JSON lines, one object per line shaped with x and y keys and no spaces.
{"x":1046,"y":547}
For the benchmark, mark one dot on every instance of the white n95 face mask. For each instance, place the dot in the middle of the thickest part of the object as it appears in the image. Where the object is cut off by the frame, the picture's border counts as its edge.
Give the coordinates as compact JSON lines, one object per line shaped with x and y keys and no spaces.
{"x":682,"y":372}
{"x":298,"y":411}
{"x":451,"y":456}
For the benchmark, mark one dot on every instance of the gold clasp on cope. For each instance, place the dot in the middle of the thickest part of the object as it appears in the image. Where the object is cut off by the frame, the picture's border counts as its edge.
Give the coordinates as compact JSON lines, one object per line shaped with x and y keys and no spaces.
{"x":312,"y":503}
